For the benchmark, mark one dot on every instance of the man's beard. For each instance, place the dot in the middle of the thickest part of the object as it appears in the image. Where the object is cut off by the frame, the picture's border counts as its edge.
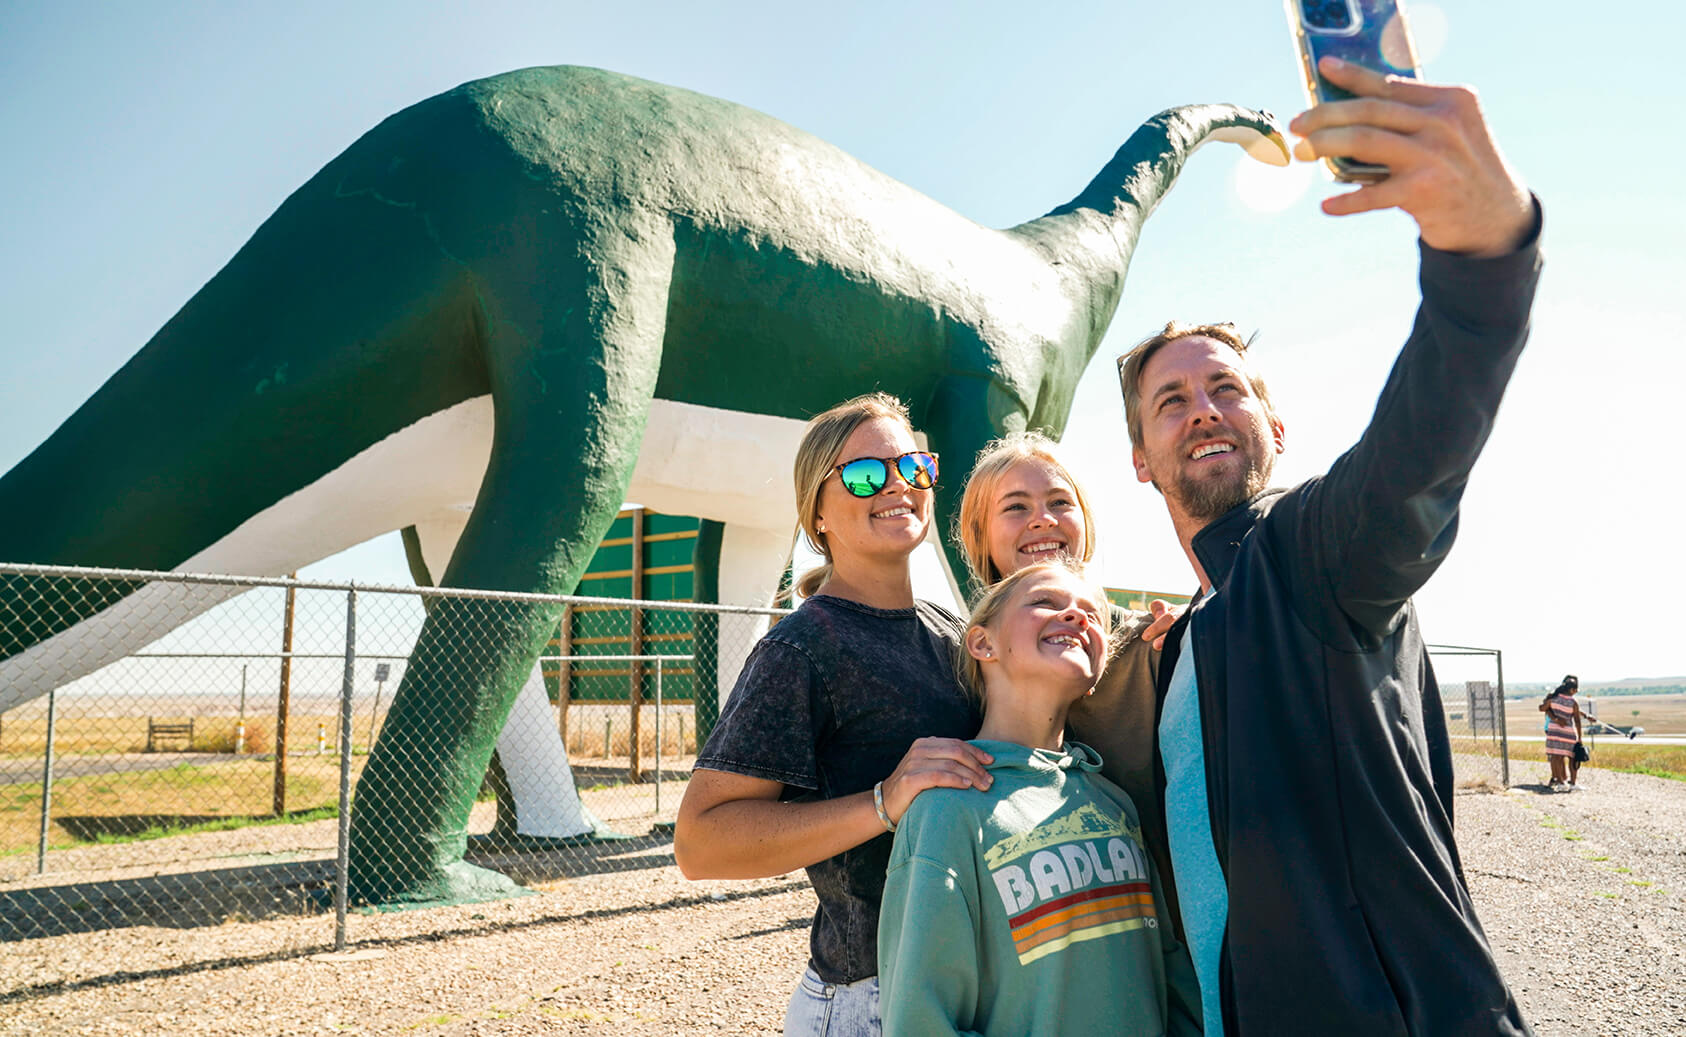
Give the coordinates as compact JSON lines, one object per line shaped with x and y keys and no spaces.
{"x":1206,"y":499}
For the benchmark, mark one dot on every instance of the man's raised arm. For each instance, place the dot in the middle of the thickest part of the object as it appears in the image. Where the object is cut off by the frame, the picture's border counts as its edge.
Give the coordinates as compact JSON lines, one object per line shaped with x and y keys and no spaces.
{"x":1386,"y":514}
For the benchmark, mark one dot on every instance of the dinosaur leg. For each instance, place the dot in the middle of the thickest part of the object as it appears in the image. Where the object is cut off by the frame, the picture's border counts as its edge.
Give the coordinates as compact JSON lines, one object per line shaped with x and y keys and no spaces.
{"x":544,"y":804}
{"x":573,"y":373}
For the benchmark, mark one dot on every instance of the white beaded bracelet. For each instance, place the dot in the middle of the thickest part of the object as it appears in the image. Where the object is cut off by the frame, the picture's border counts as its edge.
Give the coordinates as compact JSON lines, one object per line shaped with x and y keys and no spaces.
{"x":878,"y":805}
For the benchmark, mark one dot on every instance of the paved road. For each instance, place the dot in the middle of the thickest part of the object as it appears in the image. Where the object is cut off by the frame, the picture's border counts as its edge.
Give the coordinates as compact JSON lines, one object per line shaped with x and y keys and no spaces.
{"x":1669,"y":739}
{"x":74,"y":765}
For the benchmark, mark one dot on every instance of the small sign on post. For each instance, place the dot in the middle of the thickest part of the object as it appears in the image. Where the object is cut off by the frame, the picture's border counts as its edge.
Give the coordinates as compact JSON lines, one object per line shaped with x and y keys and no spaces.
{"x":382,"y":672}
{"x":1483,"y":710}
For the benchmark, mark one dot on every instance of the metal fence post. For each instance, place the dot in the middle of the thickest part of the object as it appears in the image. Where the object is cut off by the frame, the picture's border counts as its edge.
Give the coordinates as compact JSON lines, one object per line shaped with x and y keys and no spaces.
{"x":342,"y":858}
{"x":658,"y":734}
{"x":240,"y":726}
{"x":1504,"y":732}
{"x":47,"y":783}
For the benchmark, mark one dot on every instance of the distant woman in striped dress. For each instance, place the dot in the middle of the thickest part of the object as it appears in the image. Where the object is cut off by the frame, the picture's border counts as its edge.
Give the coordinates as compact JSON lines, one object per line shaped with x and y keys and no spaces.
{"x":1563,"y":731}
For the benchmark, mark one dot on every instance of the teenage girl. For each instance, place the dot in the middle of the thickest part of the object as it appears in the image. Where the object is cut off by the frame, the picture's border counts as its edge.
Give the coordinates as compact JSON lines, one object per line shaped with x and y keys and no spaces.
{"x":1022,"y":505}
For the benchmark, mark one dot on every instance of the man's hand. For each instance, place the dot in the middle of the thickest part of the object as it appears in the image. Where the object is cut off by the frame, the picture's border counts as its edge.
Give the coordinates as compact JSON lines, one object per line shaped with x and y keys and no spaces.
{"x":1164,"y":618}
{"x":1446,"y":171}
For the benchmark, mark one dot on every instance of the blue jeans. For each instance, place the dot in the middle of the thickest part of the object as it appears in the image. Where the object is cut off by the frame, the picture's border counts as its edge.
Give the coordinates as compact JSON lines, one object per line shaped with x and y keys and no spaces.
{"x":821,"y":1009}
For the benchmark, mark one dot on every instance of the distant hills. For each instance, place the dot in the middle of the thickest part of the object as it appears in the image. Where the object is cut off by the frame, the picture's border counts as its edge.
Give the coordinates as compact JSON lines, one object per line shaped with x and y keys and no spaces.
{"x":1627,"y":686}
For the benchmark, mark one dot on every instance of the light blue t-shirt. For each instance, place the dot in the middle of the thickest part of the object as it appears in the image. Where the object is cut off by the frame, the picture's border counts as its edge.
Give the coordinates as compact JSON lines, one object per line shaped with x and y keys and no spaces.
{"x":1201,"y":892}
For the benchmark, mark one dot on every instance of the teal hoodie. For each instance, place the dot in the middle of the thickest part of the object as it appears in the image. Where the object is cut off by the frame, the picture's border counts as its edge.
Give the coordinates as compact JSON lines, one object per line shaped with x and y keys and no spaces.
{"x":1028,"y":909}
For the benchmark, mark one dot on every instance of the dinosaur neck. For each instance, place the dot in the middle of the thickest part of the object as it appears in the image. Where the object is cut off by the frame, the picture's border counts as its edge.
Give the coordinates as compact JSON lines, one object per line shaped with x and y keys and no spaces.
{"x":1092,"y":237}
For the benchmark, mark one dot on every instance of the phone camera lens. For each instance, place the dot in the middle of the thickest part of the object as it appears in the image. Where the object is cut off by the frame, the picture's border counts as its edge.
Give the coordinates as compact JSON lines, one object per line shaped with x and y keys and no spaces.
{"x":1328,"y":15}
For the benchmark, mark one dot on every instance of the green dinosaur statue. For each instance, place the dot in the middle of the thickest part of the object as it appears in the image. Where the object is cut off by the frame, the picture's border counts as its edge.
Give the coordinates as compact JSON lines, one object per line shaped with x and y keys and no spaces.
{"x":470,"y":321}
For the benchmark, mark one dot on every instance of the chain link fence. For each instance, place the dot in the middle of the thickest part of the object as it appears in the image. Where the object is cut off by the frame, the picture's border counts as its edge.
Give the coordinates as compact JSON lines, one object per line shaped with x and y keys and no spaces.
{"x":181,"y":751}
{"x":185,"y":750}
{"x":1472,"y":693}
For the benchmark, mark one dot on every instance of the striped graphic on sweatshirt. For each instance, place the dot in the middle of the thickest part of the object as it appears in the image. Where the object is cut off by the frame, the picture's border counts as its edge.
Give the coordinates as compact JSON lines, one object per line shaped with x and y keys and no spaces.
{"x":1088,"y":915}
{"x":1079,"y":878}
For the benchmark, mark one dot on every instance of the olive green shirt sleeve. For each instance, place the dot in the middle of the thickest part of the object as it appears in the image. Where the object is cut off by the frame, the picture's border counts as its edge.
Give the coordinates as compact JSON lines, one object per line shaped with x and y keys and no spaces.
{"x":1117,"y":721}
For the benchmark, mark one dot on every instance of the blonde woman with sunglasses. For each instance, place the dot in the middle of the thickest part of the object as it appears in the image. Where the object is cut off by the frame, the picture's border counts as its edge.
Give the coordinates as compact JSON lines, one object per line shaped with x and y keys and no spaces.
{"x":843,"y":713}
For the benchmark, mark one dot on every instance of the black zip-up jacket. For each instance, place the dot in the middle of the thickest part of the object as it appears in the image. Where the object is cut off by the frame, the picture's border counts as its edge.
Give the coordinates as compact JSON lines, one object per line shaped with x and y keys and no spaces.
{"x":1328,"y":768}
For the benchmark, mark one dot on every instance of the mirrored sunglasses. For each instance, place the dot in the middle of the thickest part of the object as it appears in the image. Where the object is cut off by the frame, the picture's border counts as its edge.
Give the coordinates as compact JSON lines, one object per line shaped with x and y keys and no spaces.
{"x":865,"y":476}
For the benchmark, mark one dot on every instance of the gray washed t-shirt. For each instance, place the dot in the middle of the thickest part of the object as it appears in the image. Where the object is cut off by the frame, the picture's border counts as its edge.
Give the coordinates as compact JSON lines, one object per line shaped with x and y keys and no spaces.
{"x":828,"y":703}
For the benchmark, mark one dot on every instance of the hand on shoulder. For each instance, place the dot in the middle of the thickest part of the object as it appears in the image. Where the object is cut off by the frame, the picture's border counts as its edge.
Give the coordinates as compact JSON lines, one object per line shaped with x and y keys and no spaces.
{"x":1165,"y":616}
{"x":934,"y":763}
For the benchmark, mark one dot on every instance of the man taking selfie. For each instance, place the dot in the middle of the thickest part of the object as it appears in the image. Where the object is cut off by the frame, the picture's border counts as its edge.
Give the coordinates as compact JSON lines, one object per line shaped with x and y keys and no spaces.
{"x":1307,"y":771}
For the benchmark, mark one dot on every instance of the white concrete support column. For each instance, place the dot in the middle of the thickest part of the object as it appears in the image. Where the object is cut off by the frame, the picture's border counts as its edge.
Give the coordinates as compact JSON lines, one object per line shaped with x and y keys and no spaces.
{"x":751,"y":563}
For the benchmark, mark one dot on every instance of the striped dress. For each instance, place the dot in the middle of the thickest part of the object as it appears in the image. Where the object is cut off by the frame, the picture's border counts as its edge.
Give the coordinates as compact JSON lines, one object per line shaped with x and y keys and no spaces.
{"x":1560,"y":725}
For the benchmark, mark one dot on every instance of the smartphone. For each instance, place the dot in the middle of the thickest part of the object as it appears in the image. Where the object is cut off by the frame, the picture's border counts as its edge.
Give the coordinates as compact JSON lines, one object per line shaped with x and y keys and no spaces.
{"x":1371,"y":33}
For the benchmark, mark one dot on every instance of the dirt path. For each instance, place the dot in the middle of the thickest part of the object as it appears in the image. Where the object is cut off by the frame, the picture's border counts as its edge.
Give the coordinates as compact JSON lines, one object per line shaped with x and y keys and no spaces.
{"x":1583,"y":896}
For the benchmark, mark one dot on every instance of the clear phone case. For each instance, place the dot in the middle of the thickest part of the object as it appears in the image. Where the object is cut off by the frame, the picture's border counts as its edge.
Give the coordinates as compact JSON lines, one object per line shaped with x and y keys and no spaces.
{"x":1371,"y":33}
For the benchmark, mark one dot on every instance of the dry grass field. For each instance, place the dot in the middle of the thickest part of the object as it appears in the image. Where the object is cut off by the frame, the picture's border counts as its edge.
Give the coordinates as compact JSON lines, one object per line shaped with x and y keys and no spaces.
{"x":107,"y":786}
{"x":1657,"y":714}
{"x":224,"y":789}
{"x":591,"y":726}
{"x":1615,"y":754}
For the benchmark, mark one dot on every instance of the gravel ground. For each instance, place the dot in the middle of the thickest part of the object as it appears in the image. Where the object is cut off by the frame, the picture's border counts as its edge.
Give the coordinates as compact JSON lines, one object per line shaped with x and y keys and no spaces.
{"x":1582,"y":896}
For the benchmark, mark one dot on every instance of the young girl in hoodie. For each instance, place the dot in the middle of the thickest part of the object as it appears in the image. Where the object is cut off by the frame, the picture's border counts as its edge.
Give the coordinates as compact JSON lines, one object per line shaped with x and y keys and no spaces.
{"x":1030,"y":907}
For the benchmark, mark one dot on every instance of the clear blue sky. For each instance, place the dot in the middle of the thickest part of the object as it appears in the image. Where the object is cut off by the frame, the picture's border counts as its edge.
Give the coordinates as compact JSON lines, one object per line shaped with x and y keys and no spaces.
{"x":143,"y":143}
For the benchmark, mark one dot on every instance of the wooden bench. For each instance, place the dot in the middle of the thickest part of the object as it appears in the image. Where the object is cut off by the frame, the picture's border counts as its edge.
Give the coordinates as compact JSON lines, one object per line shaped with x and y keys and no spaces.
{"x":156,"y":732}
